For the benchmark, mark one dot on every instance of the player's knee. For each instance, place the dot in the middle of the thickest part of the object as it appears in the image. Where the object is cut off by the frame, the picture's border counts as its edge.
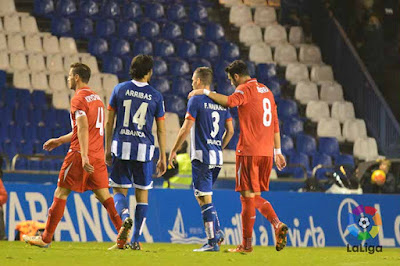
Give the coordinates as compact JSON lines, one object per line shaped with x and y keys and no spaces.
{"x":202,"y":200}
{"x":123,"y":191}
{"x":62,"y":193}
{"x":141,"y":195}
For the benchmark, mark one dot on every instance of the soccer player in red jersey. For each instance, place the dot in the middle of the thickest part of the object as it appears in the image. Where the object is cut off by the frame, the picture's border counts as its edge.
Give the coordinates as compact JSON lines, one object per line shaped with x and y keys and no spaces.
{"x":259,"y":142}
{"x":84,"y":166}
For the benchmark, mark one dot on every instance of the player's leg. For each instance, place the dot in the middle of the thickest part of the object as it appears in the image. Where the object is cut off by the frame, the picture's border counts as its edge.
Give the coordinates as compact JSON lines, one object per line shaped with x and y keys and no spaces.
{"x":56,"y":212}
{"x":104,"y":196}
{"x":121,"y":202}
{"x":219,"y":233}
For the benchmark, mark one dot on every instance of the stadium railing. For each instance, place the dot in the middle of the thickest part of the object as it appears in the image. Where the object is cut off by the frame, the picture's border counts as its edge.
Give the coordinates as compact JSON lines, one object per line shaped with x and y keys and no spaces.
{"x":33,"y":157}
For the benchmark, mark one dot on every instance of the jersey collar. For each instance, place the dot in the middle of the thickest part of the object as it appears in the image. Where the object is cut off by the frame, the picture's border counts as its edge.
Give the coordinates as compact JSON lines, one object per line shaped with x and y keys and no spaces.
{"x":251,"y":80}
{"x":81,"y":89}
{"x":139,"y":84}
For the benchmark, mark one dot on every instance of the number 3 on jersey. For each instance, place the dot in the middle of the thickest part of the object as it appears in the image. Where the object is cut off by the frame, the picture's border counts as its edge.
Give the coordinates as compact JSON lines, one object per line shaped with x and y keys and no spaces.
{"x":215,"y":116}
{"x":140,"y":116}
{"x":267,"y":117}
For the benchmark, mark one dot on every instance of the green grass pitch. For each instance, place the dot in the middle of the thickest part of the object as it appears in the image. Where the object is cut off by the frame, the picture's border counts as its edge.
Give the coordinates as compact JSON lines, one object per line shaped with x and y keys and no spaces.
{"x":67,"y":253}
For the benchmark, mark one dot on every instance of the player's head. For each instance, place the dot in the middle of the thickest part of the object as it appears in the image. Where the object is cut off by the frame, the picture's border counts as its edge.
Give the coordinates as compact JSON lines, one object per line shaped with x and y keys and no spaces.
{"x":237,"y":72}
{"x":141,"y":67}
{"x":202,"y":77}
{"x":79,"y":75}
{"x":385,"y":165}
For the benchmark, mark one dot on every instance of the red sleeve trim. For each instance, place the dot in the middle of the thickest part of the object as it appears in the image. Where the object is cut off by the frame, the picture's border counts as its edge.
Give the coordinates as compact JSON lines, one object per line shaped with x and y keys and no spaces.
{"x":160,"y":118}
{"x":110,"y":108}
{"x":190,"y":117}
{"x":229,"y":119}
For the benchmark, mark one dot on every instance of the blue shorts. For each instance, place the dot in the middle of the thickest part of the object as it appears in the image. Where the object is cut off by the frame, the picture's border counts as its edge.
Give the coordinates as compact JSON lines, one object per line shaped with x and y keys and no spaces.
{"x":129,"y":173}
{"x":204,"y":177}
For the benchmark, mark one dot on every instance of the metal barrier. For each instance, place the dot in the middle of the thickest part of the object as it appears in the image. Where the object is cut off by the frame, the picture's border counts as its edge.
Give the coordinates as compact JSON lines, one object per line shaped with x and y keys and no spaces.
{"x":33,"y":157}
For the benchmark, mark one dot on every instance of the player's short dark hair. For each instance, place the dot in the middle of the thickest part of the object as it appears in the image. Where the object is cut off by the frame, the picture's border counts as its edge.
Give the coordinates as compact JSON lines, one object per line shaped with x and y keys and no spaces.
{"x":82,"y":70}
{"x":237,"y":67}
{"x":205,"y":74}
{"x":141,"y":65}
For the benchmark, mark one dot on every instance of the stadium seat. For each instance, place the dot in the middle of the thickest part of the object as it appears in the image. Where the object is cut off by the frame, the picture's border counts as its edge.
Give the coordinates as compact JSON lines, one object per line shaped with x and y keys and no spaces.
{"x":83,"y":28}
{"x":331,"y":92}
{"x":344,"y":159}
{"x":36,"y":62}
{"x":230,"y":3}
{"x":132,"y":11}
{"x":214,"y":32}
{"x":365,"y":149}
{"x":321,"y":73}
{"x":154,"y":11}
{"x":296,"y":35}
{"x":70,"y":59}
{"x":61,"y":100}
{"x":250,"y":34}
{"x":142,"y":46}
{"x":95,"y":83}
{"x":299,"y":159}
{"x":328,"y":146}
{"x":4,"y":60}
{"x":219,"y":70}
{"x":97,"y":46}
{"x":343,"y":111}
{"x":317,"y":110}
{"x":12,"y":24}
{"x":353,"y":129}
{"x":39,"y":81}
{"x":329,"y":127}
{"x":7,"y":7}
{"x":51,"y":45}
{"x":178,"y":67}
{"x":105,"y":28}
{"x":163,"y":48}
{"x":68,"y":45}
{"x":160,"y":84}
{"x":109,"y":82}
{"x":33,"y":43}
{"x":306,"y":91}
{"x":306,"y":144}
{"x":21,"y":79}
{"x":149,"y":29}
{"x":186,"y":49}
{"x":29,"y":25}
{"x":15,"y":43}
{"x":54,"y":63}
{"x":111,"y":10}
{"x":275,"y":88}
{"x":310,"y":54}
{"x":18,"y":61}
{"x":225,"y":87}
{"x":171,"y":31}
{"x":287,"y":145}
{"x":3,"y":42}
{"x":193,"y":32}
{"x":292,"y":126}
{"x":209,"y":51}
{"x":44,"y":8}
{"x":160,"y":67}
{"x":120,"y":47}
{"x":275,"y":35}
{"x":266,"y":72}
{"x":229,"y":156}
{"x":66,"y":8}
{"x":172,"y":120}
{"x":181,"y":87}
{"x":240,"y":15}
{"x":255,"y":3}
{"x":285,"y":54}
{"x":89,"y":9}
{"x":9,"y":148}
{"x":321,"y":158}
{"x":196,"y":63}
{"x":175,"y":104}
{"x":287,"y":109}
{"x":112,"y":64}
{"x":296,"y":72}
{"x":127,"y":30}
{"x":198,"y":13}
{"x":264,"y":16}
{"x":251,"y":67}
{"x":25,"y":147}
{"x":176,"y":13}
{"x":260,"y":53}
{"x":57,"y":82}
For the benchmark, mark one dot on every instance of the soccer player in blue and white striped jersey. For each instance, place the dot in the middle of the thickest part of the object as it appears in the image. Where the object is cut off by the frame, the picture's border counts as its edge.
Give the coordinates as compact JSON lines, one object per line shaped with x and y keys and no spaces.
{"x":211,"y":129}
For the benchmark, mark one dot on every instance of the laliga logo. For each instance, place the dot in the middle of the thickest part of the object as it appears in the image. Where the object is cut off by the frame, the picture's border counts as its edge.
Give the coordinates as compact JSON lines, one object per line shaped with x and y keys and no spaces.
{"x":364,"y":223}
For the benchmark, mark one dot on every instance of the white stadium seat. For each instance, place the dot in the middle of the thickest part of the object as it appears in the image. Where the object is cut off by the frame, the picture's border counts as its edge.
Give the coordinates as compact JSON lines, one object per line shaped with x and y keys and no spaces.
{"x":3,"y":42}
{"x":250,"y":34}
{"x":296,"y":35}
{"x":365,"y":149}
{"x":1,"y":26}
{"x":260,"y":53}
{"x":18,"y":61}
{"x":172,"y":120}
{"x":228,"y":170}
{"x":306,"y":91}
{"x":229,"y":156}
{"x":15,"y":43}
{"x":21,"y":79}
{"x":95,"y":83}
{"x":310,"y":54}
{"x":275,"y":35}
{"x":4,"y":60}
{"x":54,"y":63}
{"x":353,"y":129}
{"x":329,"y":127}
{"x":109,"y":82}
{"x":29,"y":25}
{"x":285,"y":54}
{"x":58,"y":82}
{"x":296,"y":72}
{"x":317,"y":110}
{"x":321,"y":73}
{"x":7,"y":7}
{"x":343,"y":111}
{"x":70,"y":59}
{"x":331,"y":92}
{"x":61,"y":100}
{"x":33,"y":43}
{"x":39,"y":81}
{"x":265,"y":16}
{"x":91,"y":62}
{"x":12,"y":24}
{"x":255,"y":3}
{"x":51,"y":45}
{"x":230,"y":3}
{"x":68,"y":45}
{"x":240,"y":15}
{"x":36,"y":62}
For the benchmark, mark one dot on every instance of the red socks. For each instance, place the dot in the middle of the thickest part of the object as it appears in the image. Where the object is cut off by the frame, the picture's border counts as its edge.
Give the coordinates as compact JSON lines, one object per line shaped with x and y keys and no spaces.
{"x":112,"y":212}
{"x":248,"y":219}
{"x":265,"y":208}
{"x":56,"y":212}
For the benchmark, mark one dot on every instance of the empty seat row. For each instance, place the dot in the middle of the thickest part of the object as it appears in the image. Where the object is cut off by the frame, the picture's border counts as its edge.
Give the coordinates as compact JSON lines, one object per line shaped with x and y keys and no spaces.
{"x":365,"y":149}
{"x":241,"y":14}
{"x":296,"y":72}
{"x":341,"y":110}
{"x":19,"y":23}
{"x":352,"y":129}
{"x":330,"y":92}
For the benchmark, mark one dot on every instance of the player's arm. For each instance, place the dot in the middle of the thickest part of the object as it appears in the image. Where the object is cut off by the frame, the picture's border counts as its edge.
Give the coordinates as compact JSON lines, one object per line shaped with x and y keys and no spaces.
{"x":161,"y":136}
{"x":109,"y":133}
{"x":216,"y":97}
{"x":83,"y":137}
{"x":51,"y":144}
{"x":182,"y":135}
{"x":228,"y":133}
{"x":280,"y":160}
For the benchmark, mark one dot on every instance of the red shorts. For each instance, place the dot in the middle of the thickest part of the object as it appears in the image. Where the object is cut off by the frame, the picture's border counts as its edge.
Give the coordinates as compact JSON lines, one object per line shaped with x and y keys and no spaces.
{"x":252,"y":173}
{"x":73,"y":177}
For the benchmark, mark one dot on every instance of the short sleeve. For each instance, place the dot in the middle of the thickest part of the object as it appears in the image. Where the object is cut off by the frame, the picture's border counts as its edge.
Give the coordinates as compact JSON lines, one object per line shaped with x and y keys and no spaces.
{"x":239,"y":97}
{"x":112,"y":105}
{"x":191,"y":113}
{"x":78,"y":103}
{"x":160,"y":111}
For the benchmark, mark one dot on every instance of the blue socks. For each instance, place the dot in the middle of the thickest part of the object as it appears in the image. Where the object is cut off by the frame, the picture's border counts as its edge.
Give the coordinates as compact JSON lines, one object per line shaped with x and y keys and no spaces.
{"x":217,"y":225}
{"x":208,"y":212}
{"x":121,"y":205}
{"x":140,"y":219}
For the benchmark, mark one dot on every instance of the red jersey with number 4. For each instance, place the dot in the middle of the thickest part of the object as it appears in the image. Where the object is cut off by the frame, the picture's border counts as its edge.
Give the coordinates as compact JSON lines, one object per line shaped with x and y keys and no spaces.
{"x":87,"y":102}
{"x":258,"y":118}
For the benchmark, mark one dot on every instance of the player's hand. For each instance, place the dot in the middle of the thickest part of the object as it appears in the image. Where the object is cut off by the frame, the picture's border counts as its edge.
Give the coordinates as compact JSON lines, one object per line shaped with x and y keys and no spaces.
{"x":195,"y":92}
{"x":51,"y":144}
{"x":172,"y":158}
{"x":108,"y":159}
{"x":86,"y":165}
{"x":161,"y":167}
{"x":280,"y":161}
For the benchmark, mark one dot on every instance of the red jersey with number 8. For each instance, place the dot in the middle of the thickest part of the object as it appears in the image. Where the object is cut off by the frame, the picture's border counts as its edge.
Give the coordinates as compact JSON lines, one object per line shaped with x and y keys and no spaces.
{"x":258,"y":118}
{"x":87,"y":102}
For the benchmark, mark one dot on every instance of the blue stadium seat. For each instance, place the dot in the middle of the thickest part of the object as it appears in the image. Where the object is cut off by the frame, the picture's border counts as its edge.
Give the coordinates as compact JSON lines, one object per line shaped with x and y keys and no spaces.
{"x":60,"y":26}
{"x":37,"y":146}
{"x":329,"y":146}
{"x":171,"y":31}
{"x":265,"y":72}
{"x":3,"y":76}
{"x":224,"y":87}
{"x":21,"y":115}
{"x":38,"y":99}
{"x":21,"y":163}
{"x":178,"y":67}
{"x":160,"y":67}
{"x":142,"y":46}
{"x":154,"y":11}
{"x":149,"y":29}
{"x":10,"y":97}
{"x":287,"y":109}
{"x":120,"y":47}
{"x":34,"y":165}
{"x":132,"y":11}
{"x":275,"y":88}
{"x":163,"y":48}
{"x":105,"y":28}
{"x":209,"y":51}
{"x":9,"y":148}
{"x":97,"y":46}
{"x":324,"y":160}
{"x":43,"y":133}
{"x":306,"y":144}
{"x":25,"y":147}
{"x":230,"y":51}
{"x":186,"y":49}
{"x":219,"y":70}
{"x":181,"y":87}
{"x":287,"y":145}
{"x":111,"y":10}
{"x":15,"y":132}
{"x":66,"y":8}
{"x":35,"y":116}
{"x":193,"y":32}
{"x":23,"y":98}
{"x":176,"y":13}
{"x":344,"y":159}
{"x":160,"y":84}
{"x":50,"y":117}
{"x":63,"y":117}
{"x":198,"y":13}
{"x":299,"y":158}
{"x":112,"y":64}
{"x":251,"y":67}
{"x":44,"y":8}
{"x":89,"y":9}
{"x":127,"y":30}
{"x":292,"y":126}
{"x":83,"y":28}
{"x":195,"y":63}
{"x":175,"y":104}
{"x":214,"y":32}
{"x":29,"y":132}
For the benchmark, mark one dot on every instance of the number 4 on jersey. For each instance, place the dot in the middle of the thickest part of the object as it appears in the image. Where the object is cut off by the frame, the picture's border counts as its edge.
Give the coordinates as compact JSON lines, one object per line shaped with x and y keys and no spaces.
{"x":140,"y":116}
